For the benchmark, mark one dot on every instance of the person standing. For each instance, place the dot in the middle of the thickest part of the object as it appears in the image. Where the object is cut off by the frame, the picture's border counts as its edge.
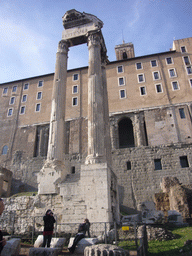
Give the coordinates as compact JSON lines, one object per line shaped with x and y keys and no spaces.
{"x":82,"y":230}
{"x":2,"y":240}
{"x":49,"y":221}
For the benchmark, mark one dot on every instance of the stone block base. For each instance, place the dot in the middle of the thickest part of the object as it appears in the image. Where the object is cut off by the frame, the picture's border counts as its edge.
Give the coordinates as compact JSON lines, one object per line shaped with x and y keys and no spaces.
{"x":43,"y":252}
{"x":82,"y":244}
{"x":12,"y":247}
{"x":55,"y":242}
{"x":105,"y":249}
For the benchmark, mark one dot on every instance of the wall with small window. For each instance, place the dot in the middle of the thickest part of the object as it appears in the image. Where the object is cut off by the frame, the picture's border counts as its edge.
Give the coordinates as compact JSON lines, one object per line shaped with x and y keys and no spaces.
{"x":184,"y":123}
{"x":161,"y":126}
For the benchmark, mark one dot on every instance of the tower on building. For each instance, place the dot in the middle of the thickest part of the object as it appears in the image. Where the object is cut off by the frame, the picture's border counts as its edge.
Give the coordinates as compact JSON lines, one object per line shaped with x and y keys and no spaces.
{"x":124,"y":51}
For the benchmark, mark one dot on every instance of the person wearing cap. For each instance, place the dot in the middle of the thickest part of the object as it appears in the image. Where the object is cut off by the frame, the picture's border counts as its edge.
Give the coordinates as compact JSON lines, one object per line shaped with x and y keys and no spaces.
{"x":49,"y":221}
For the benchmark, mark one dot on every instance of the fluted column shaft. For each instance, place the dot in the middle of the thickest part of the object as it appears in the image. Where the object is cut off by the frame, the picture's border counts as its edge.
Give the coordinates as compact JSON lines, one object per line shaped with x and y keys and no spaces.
{"x":56,"y":147}
{"x":96,"y":151}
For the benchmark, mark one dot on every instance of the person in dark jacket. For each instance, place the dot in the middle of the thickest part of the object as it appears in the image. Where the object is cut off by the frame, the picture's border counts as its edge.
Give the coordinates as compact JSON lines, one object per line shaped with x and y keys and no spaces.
{"x":49,"y":221}
{"x":2,"y":240}
{"x":82,"y":230}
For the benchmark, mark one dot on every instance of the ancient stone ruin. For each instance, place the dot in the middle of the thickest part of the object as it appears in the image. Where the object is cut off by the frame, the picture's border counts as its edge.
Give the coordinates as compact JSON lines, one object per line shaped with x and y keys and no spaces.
{"x":95,"y":189}
{"x":174,"y":197}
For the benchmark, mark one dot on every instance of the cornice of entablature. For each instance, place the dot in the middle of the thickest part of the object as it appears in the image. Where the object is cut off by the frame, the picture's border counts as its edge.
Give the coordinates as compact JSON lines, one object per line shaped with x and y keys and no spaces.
{"x":73,"y":18}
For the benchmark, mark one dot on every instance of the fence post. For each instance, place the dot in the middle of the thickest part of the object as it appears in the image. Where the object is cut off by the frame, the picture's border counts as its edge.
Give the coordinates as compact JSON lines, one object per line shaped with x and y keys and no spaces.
{"x":145,"y":240}
{"x":13,"y":224}
{"x":55,"y":226}
{"x":135,"y":231}
{"x":115,"y":226}
{"x":33,"y":230}
{"x":105,"y":233}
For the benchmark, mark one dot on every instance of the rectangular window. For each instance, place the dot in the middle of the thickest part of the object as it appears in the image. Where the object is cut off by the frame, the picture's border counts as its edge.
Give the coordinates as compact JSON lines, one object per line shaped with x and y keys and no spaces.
{"x":12,"y":101}
{"x":74,"y":102}
{"x":153,"y":63}
{"x":139,"y":65}
{"x":22,"y":110}
{"x":122,"y":94}
{"x":39,"y":95}
{"x":157,"y":163}
{"x":186,"y":60}
{"x":75,"y":89}
{"x":120,"y":69}
{"x":121,"y":81}
{"x":14,"y":89}
{"x":189,"y":70}
{"x":169,"y":60}
{"x":183,"y":49}
{"x":143,"y":90}
{"x":38,"y":107}
{"x":159,"y":88}
{"x":24,"y":98}
{"x":175,"y":86}
{"x":172,"y":72}
{"x":10,"y":112}
{"x":40,"y":83}
{"x":141,"y":78}
{"x":5,"y":90}
{"x":75,"y":77}
{"x":4,"y":150}
{"x":72,"y":169}
{"x":128,"y":165}
{"x":182,"y":113}
{"x":156,"y":75}
{"x":184,"y":161}
{"x":25,"y":86}
{"x":190,"y":82}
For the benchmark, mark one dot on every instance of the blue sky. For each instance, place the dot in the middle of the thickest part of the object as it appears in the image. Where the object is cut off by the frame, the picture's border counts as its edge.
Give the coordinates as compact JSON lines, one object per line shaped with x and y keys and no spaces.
{"x":31,"y":29}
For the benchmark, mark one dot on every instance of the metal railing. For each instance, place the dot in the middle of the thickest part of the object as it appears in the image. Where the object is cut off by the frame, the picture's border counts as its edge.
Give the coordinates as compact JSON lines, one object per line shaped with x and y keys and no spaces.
{"x":33,"y":226}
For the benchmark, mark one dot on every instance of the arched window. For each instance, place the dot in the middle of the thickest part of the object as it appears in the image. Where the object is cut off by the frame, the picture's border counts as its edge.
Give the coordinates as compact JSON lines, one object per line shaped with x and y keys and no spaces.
{"x":4,"y":150}
{"x":126,"y":137}
{"x":124,"y":55}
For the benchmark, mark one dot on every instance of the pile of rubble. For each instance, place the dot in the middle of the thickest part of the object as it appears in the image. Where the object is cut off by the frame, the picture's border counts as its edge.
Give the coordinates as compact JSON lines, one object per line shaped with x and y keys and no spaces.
{"x":155,"y":233}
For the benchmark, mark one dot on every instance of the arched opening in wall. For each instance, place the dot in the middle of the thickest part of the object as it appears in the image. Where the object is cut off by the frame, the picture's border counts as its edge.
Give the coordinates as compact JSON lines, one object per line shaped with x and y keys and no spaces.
{"x":126,"y":136}
{"x":124,"y":55}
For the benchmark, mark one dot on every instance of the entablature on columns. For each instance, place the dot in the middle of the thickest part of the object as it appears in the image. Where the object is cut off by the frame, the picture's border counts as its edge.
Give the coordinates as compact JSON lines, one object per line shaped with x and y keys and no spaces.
{"x":79,"y":27}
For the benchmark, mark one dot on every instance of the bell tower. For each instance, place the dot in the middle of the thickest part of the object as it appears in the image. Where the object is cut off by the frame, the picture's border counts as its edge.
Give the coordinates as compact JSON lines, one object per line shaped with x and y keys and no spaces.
{"x":124,"y":51}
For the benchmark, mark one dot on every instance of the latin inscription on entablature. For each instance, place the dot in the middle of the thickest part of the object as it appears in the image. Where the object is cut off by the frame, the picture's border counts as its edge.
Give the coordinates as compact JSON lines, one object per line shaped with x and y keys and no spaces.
{"x":78,"y":31}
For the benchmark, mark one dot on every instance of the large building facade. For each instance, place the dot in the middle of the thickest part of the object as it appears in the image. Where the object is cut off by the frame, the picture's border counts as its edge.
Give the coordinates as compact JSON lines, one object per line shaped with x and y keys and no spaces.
{"x":150,"y":109}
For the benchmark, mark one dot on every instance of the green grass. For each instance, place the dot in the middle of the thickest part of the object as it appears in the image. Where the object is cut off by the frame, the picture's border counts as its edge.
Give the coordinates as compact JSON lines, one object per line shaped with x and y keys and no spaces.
{"x":173,"y":247}
{"x":25,"y":194}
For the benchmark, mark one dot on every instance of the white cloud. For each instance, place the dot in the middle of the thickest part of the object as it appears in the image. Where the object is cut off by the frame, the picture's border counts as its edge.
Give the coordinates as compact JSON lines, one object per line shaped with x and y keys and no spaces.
{"x":136,"y":15}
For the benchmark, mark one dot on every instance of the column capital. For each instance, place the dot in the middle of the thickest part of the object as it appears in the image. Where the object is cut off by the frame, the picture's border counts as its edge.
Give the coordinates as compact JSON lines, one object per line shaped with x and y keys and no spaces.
{"x":94,"y":38}
{"x":63,"y":46}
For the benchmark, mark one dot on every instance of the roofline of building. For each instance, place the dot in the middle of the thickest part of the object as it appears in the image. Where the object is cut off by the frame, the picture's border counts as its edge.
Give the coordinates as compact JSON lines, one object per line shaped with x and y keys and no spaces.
{"x":85,"y":67}
{"x":143,"y":56}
